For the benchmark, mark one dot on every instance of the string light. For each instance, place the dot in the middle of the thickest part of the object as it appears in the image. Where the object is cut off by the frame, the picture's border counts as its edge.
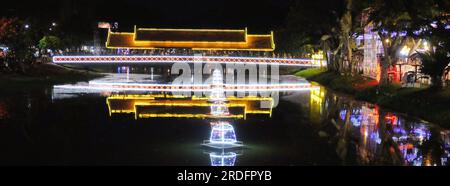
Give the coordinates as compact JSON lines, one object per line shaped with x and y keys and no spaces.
{"x":248,"y":42}
{"x":183,"y":59}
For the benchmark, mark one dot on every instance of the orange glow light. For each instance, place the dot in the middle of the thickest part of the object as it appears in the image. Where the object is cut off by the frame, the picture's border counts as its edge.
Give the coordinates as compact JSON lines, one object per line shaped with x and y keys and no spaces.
{"x":250,"y":42}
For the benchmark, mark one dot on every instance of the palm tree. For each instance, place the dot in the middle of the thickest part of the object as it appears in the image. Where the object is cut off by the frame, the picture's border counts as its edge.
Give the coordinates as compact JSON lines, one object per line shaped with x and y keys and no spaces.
{"x":436,"y":60}
{"x":433,"y":64}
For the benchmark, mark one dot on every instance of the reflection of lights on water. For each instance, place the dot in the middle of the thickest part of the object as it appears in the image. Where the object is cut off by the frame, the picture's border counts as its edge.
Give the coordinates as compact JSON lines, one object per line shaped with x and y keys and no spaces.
{"x":176,"y":105}
{"x":217,"y":95}
{"x":317,"y":106}
{"x":356,"y":120}
{"x":355,"y":117}
{"x":342,"y":114}
{"x":219,"y":109}
{"x":217,"y":87}
{"x":409,"y":140}
{"x":376,"y":137}
{"x":391,"y":119}
{"x":222,"y":137}
{"x":408,"y":135}
{"x":118,"y":87}
{"x":115,"y":83}
{"x":422,"y":133}
{"x":217,"y":78}
{"x":399,"y":130}
{"x":445,"y":135}
{"x":222,"y":159}
{"x":3,"y":111}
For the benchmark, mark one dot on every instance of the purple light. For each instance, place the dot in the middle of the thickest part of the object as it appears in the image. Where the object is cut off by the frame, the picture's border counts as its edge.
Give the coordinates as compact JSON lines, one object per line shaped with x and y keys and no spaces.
{"x":399,"y":131}
{"x":342,"y":114}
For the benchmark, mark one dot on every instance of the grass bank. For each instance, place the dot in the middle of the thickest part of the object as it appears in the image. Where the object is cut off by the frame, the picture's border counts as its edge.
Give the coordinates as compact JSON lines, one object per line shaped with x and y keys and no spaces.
{"x":428,"y":104}
{"x":45,"y":74}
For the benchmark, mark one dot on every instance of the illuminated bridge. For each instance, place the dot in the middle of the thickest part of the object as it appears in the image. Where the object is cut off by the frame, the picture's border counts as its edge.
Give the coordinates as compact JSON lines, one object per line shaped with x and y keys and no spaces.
{"x":185,"y":59}
{"x":144,"y":40}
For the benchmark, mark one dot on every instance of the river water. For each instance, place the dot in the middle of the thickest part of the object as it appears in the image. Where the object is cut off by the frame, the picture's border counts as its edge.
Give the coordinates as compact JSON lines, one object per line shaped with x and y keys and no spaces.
{"x":47,"y":126}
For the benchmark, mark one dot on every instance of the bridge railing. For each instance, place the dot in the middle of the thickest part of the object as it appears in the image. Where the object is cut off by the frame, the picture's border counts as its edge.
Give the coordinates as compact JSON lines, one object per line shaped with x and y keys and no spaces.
{"x":178,"y":52}
{"x":185,"y":59}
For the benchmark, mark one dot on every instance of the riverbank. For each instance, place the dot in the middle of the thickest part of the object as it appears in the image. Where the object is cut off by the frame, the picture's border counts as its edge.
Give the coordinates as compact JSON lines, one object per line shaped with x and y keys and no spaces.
{"x":431,"y":105}
{"x":45,"y":74}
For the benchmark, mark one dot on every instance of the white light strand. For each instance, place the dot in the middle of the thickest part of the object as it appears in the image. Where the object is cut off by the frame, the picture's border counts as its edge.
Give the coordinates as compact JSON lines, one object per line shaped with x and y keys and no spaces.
{"x":183,"y":59}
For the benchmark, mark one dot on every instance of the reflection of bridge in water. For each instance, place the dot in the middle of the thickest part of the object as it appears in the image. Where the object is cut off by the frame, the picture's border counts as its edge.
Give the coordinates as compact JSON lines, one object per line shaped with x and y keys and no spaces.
{"x":223,"y":146}
{"x":177,"y":106}
{"x":216,"y":105}
{"x":189,"y":87}
{"x":186,"y":59}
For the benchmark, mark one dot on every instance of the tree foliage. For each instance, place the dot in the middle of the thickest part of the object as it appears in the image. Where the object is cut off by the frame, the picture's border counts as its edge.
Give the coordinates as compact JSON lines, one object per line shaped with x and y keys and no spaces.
{"x":17,"y":37}
{"x":306,"y":23}
{"x":396,"y":21}
{"x":330,"y":26}
{"x":433,"y":64}
{"x":437,"y":59}
{"x":49,"y":42}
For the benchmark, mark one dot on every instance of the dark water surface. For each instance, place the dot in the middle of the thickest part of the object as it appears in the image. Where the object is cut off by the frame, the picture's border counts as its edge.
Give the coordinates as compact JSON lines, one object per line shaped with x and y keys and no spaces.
{"x":318,"y":127}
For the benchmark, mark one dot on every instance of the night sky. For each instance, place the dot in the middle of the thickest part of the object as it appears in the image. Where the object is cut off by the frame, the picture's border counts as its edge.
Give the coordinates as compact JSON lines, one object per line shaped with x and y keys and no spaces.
{"x":257,"y":15}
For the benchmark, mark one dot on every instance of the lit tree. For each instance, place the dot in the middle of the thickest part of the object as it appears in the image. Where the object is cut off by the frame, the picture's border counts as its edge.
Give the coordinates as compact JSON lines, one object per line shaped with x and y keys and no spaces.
{"x":49,"y":42}
{"x":396,"y":21}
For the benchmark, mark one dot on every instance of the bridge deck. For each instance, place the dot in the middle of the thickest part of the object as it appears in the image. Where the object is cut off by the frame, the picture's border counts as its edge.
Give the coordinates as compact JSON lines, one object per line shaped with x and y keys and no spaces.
{"x":185,"y":59}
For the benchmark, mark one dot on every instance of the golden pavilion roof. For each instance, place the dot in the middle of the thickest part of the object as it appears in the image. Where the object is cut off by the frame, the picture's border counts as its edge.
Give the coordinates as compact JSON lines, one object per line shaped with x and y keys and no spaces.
{"x":196,"y":39}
